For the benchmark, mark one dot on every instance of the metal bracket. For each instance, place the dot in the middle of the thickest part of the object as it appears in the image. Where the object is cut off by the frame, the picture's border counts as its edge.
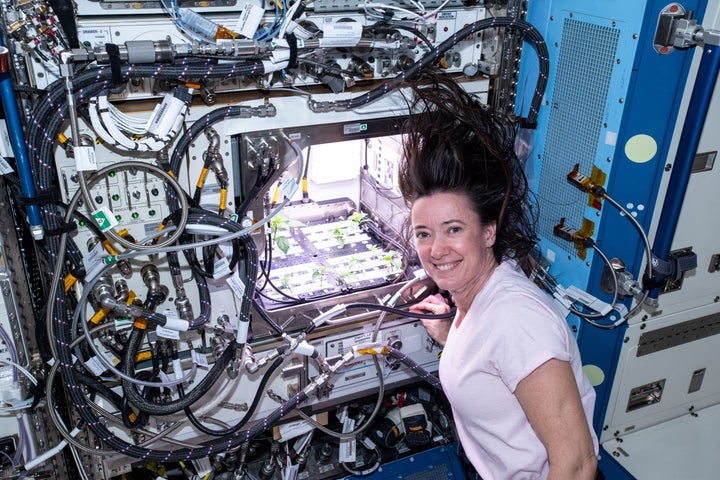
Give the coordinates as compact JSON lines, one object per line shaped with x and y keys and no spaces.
{"x":675,"y":29}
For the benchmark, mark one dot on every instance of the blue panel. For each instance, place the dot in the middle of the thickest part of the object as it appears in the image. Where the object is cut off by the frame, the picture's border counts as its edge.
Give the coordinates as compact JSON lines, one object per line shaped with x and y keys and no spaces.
{"x":606,"y":85}
{"x":611,"y":469}
{"x":439,"y":463}
{"x":652,"y":105}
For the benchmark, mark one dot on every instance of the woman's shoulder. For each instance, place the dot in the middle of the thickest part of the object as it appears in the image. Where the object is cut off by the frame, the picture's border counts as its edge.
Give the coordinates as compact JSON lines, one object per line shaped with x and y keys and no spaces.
{"x":511,"y":289}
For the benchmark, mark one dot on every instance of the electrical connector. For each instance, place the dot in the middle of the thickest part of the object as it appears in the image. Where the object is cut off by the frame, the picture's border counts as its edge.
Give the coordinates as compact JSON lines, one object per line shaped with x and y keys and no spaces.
{"x":584,"y":183}
{"x":572,"y":235}
{"x":581,"y":238}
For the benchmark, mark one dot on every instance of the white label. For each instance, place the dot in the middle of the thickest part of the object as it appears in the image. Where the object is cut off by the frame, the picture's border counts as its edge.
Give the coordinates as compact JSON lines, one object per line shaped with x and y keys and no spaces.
{"x":85,"y":158}
{"x":291,"y":472}
{"x":340,"y":34}
{"x":177,"y":368}
{"x":95,"y":366}
{"x":5,"y":145}
{"x":167,"y":333}
{"x":289,"y":187}
{"x":110,"y":357}
{"x":348,"y":448}
{"x":123,"y":323}
{"x":291,"y":430}
{"x":237,"y":286}
{"x":199,"y":359}
{"x":222,"y":268}
{"x":5,"y":167}
{"x":93,"y":258}
{"x":104,"y":219}
{"x":249,"y":20}
{"x":301,"y":32}
{"x":611,"y":138}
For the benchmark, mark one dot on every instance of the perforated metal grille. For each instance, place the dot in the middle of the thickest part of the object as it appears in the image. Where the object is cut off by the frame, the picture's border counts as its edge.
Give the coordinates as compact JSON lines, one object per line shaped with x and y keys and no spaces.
{"x":586,"y":58}
{"x":439,"y":472}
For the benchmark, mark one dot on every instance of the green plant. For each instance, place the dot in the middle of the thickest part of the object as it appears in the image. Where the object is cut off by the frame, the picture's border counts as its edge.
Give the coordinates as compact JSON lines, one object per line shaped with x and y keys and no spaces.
{"x":279,"y":223}
{"x":349,"y":273}
{"x":356,"y":219}
{"x":319,"y":274}
{"x":339,"y":237}
{"x":393,"y":260}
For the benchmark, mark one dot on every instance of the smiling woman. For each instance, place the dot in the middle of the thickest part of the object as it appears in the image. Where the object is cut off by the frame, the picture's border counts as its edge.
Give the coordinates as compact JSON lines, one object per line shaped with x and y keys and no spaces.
{"x":454,"y":246}
{"x":510,"y":365}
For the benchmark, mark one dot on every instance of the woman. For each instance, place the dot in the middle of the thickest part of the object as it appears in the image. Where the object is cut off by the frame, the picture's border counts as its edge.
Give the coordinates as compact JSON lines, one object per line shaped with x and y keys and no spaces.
{"x":510,"y":366}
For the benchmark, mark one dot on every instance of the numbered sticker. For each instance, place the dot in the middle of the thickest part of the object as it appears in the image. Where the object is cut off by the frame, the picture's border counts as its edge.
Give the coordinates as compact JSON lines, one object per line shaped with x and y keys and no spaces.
{"x":104,"y":219}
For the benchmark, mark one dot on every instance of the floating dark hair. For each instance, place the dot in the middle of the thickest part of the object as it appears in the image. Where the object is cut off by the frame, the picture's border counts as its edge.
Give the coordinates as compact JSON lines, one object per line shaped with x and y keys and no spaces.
{"x":453,"y":143}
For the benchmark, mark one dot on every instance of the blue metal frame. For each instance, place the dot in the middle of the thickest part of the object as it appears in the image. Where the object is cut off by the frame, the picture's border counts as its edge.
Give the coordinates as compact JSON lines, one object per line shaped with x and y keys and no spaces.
{"x":644,"y":98}
{"x":687,"y":148}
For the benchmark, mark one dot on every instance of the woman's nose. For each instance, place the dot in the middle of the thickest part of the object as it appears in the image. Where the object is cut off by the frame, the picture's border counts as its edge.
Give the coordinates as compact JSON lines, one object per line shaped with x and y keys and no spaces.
{"x":438,"y":248}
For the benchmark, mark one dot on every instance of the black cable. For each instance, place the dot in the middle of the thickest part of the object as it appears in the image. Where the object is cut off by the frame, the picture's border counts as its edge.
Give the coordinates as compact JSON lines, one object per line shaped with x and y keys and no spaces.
{"x":168,"y":408}
{"x":126,"y":411}
{"x":263,"y":314}
{"x":511,"y":23}
{"x":415,"y":367}
{"x":251,"y":410}
{"x":398,"y":311}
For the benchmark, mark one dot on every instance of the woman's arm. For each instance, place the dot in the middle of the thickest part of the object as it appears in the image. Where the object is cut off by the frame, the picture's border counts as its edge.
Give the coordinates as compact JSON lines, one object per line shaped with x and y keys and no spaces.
{"x":550,"y":398}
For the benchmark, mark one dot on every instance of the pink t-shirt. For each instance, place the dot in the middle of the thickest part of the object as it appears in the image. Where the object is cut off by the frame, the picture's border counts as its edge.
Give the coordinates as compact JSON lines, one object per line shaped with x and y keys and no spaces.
{"x":511,"y":329}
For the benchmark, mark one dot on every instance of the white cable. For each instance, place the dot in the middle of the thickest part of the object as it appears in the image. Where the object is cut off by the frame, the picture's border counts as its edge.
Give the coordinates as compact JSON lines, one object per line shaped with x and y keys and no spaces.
{"x":435,"y":12}
{"x":418,"y":5}
{"x":39,"y":460}
{"x":21,"y":369}
{"x":116,"y":128}
{"x":380,"y":6}
{"x":97,"y":124}
{"x":288,"y":19}
{"x":105,"y":117}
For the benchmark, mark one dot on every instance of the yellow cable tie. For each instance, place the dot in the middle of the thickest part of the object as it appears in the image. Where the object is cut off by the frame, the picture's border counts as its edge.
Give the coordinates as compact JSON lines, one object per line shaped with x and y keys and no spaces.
{"x":223,"y":198}
{"x":110,"y":249}
{"x":276,"y":196}
{"x":69,"y":281}
{"x":201,"y":179}
{"x":140,"y":323}
{"x":99,"y":315}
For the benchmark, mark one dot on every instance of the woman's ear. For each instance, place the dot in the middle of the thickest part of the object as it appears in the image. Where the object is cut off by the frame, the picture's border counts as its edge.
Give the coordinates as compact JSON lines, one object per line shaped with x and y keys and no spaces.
{"x":489,"y":230}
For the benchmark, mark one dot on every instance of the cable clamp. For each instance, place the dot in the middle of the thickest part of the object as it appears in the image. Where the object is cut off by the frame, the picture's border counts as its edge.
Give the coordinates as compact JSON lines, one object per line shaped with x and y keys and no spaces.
{"x":675,"y":266}
{"x":64,"y":228}
{"x":590,"y":301}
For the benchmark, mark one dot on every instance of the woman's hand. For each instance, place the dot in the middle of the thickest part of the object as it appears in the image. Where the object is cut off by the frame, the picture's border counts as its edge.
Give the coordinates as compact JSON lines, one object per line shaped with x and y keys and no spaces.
{"x":436,"y":305}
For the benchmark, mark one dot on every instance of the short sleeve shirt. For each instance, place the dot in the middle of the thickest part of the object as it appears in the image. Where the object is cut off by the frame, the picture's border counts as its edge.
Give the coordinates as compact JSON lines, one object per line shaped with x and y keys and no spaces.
{"x":511,"y":329}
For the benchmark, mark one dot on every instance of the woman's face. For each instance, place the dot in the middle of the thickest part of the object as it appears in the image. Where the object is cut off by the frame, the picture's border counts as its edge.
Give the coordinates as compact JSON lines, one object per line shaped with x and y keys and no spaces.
{"x":454,"y":247}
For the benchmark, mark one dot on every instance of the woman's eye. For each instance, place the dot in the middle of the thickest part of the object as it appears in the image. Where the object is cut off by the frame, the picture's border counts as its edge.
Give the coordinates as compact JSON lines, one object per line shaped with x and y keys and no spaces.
{"x":422,"y":235}
{"x":454,"y":229}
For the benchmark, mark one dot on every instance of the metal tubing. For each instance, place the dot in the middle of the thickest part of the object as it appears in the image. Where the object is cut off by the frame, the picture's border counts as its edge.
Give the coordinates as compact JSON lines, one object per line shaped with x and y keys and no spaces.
{"x":17,"y":141}
{"x":687,"y":148}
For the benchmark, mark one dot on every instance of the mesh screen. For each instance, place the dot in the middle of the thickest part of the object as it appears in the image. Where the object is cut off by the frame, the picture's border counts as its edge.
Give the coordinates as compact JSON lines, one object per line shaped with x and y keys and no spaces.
{"x":440,"y":472}
{"x":585,"y":63}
